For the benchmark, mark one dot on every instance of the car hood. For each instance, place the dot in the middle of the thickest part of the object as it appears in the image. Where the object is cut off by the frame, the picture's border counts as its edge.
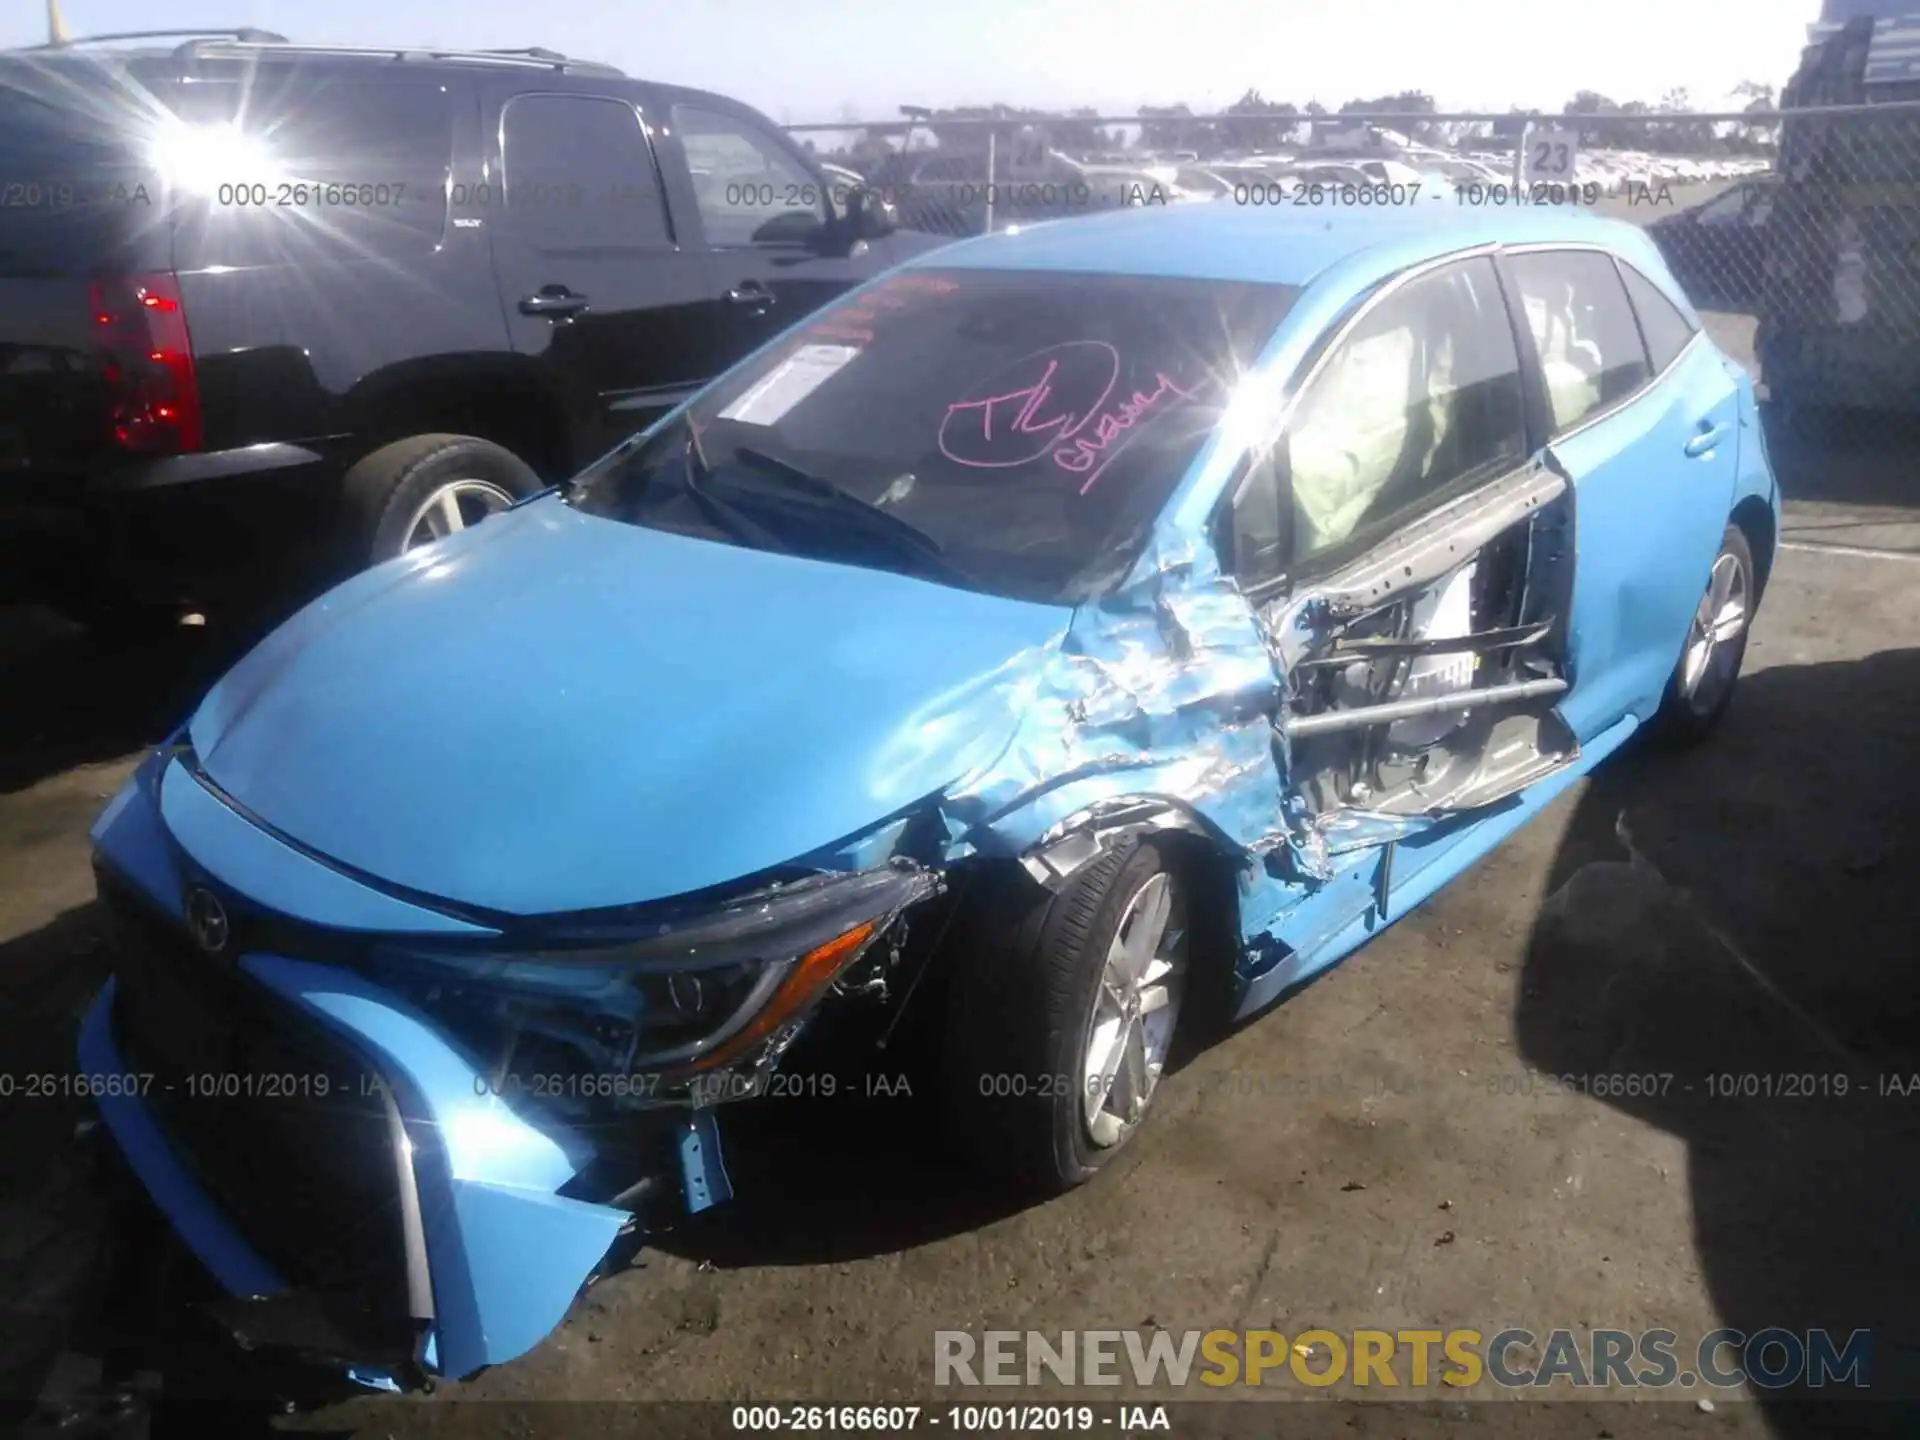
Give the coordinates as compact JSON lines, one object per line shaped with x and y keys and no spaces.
{"x":556,"y":712}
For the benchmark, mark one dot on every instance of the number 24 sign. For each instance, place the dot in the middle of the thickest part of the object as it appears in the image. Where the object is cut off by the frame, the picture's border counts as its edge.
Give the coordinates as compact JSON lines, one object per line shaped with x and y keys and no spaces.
{"x":1552,"y":154}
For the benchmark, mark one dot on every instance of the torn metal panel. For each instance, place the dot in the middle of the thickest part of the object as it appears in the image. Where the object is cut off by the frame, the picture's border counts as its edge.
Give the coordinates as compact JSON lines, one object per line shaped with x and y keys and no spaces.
{"x":1154,"y":712}
{"x":1340,"y":832}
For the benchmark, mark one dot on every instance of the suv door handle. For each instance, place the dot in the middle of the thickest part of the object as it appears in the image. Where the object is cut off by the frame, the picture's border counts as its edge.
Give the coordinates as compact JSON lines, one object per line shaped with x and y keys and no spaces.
{"x":750,"y":292}
{"x":553,"y":301}
{"x":1710,"y":436}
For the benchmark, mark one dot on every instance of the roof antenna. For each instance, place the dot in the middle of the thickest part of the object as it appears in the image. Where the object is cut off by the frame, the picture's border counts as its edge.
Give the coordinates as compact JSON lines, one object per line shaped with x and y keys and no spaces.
{"x":56,"y":27}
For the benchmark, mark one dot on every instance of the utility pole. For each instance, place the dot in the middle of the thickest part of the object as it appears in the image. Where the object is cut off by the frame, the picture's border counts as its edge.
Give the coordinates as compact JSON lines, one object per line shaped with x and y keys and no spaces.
{"x":56,"y":27}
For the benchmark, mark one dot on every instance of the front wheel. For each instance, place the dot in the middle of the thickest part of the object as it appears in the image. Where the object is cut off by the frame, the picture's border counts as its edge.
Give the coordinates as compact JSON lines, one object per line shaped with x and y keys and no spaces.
{"x":1064,"y":1015}
{"x":1701,"y":686}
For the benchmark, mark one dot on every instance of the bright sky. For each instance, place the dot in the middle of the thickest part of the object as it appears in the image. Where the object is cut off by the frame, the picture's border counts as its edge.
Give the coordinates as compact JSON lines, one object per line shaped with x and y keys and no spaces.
{"x":834,"y":59}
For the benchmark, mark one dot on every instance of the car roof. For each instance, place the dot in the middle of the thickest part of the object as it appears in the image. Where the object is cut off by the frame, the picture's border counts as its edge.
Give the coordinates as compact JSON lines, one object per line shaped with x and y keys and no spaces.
{"x":1283,"y":245}
{"x":214,"y":58}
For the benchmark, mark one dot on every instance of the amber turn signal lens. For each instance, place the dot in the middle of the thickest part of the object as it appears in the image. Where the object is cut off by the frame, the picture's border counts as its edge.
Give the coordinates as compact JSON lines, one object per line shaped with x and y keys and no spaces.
{"x":812,"y":975}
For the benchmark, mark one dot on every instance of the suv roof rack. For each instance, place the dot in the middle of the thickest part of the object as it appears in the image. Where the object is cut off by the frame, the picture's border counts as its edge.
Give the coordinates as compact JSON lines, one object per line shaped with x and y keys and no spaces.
{"x":245,"y":34}
{"x":536,"y":56}
{"x":196,"y":43}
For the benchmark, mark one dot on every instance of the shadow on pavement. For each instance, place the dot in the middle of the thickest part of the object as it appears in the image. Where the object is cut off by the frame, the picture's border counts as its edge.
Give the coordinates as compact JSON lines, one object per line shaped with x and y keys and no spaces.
{"x":1742,"y":919}
{"x":824,"y":1179}
{"x":1850,"y":457}
{"x":74,"y":698}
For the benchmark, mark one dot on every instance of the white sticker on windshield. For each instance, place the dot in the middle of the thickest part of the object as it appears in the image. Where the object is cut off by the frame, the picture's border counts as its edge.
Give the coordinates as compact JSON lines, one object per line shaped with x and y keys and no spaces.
{"x":789,"y":382}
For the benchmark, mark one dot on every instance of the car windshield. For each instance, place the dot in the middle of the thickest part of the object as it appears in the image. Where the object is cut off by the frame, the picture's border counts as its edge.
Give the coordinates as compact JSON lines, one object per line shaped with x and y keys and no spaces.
{"x":1015,"y":432}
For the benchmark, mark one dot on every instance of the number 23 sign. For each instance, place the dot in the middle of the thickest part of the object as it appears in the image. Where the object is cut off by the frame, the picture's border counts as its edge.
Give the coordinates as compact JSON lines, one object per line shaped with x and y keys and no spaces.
{"x":1552,"y":154}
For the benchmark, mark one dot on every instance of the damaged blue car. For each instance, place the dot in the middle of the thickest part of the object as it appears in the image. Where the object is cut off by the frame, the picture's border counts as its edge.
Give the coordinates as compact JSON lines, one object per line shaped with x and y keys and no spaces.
{"x":1068,"y":641}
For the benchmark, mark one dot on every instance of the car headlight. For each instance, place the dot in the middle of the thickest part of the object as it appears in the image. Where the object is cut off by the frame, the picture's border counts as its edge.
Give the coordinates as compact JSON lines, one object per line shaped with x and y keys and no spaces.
{"x":681,"y":996}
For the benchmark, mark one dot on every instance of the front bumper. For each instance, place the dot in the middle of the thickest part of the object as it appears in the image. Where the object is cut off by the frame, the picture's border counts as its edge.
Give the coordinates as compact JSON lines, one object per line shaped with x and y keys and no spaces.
{"x":364,"y":1194}
{"x":500,"y":1262}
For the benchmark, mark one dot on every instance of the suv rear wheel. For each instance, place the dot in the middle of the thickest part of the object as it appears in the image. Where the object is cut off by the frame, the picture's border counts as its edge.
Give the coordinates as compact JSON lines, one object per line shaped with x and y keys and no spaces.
{"x":419,"y":490}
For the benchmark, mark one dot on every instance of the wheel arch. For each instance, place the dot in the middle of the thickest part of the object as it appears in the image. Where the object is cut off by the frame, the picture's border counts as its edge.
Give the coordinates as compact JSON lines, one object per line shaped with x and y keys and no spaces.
{"x":1204,"y":855}
{"x":501,"y":399}
{"x":1755,"y":518}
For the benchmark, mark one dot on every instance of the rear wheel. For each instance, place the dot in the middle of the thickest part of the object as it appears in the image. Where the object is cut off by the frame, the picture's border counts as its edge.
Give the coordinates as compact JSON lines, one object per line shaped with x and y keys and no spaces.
{"x":1064,"y":1015}
{"x":1702,"y":684}
{"x":413,"y":492}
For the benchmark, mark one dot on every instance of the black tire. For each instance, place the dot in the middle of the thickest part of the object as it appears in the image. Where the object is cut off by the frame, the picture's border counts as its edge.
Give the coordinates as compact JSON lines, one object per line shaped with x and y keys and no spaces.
{"x":386,"y":489}
{"x":1685,"y":718}
{"x":1018,"y":1003}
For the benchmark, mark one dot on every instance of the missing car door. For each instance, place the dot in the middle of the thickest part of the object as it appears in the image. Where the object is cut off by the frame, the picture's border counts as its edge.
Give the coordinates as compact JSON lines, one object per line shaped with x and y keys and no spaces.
{"x":1412,"y":565}
{"x":1422,"y":677}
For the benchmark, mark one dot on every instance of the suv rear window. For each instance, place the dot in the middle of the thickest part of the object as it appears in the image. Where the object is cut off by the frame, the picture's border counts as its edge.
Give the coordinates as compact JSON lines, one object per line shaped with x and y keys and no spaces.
{"x":1030,"y":424}
{"x":75,"y":192}
{"x":345,"y":166}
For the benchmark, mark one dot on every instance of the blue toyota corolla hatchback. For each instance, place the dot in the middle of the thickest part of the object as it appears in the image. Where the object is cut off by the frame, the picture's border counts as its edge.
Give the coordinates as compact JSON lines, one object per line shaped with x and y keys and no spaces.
{"x":1062,"y":641}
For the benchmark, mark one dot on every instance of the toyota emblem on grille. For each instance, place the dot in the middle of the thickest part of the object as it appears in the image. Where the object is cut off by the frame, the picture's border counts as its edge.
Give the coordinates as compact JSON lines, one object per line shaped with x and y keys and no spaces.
{"x":207,"y":918}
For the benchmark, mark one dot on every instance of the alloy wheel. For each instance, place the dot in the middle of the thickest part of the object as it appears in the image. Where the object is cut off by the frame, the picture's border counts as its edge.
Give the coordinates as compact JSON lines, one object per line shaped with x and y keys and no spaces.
{"x":452,"y":507}
{"x":1136,"y":1006}
{"x":1713,"y":639}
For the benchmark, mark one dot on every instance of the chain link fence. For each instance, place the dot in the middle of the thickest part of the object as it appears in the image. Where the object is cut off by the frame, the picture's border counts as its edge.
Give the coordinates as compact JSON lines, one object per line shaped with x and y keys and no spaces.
{"x":1796,"y":231}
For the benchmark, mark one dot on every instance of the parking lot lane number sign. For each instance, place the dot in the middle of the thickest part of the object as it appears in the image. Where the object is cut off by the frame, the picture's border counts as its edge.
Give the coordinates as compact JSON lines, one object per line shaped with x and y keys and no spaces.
{"x":790,"y":382}
{"x":1029,"y":152}
{"x":1552,"y":154}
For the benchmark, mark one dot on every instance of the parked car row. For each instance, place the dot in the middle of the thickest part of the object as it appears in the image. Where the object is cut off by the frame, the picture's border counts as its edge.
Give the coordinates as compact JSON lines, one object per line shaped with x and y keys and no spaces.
{"x":1615,"y":171}
{"x":961,"y":191}
{"x":374,"y":296}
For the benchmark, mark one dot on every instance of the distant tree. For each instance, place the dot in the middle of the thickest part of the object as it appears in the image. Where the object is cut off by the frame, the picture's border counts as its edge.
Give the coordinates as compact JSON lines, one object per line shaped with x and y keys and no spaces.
{"x":1175,"y":127}
{"x":1592,"y":102}
{"x":1680,"y":137}
{"x":868,"y":149}
{"x":1075,"y":131}
{"x":962,"y":136}
{"x":1406,"y":102}
{"x":960,"y":127}
{"x":1511,"y":128}
{"x":1255,"y":123}
{"x":1761,"y":99}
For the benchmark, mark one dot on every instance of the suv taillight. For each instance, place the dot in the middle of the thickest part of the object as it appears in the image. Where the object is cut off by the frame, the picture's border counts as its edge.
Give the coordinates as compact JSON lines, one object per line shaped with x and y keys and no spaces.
{"x":146,"y":358}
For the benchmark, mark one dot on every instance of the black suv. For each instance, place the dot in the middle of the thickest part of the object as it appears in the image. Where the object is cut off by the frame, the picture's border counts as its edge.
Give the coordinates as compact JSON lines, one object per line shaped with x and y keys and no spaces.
{"x":381,"y":293}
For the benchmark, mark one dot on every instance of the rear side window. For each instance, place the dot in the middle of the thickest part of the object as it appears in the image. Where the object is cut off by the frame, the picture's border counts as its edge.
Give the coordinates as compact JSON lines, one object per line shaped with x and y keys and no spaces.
{"x":1583,"y":327}
{"x":287,"y":167}
{"x":579,"y":171}
{"x":1667,"y":331}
